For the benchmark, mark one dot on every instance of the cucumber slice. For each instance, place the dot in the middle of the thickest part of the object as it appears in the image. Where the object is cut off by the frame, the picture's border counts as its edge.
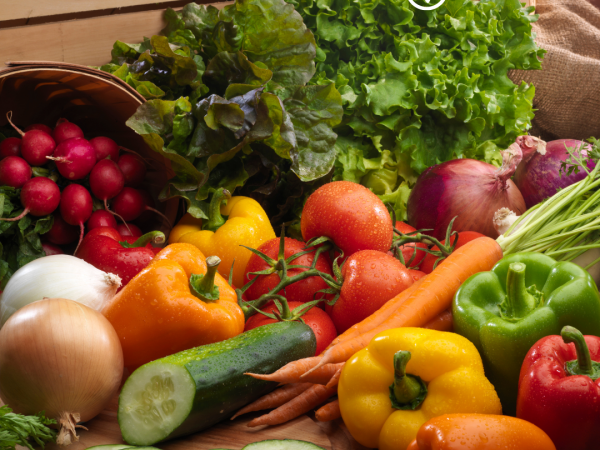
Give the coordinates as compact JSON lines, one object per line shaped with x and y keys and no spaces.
{"x":285,"y":444}
{"x":109,"y":447}
{"x":194,"y":389}
{"x":155,"y":402}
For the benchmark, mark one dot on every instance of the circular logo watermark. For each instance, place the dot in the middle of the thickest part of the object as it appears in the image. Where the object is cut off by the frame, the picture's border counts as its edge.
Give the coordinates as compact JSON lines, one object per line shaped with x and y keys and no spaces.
{"x":427,"y":8}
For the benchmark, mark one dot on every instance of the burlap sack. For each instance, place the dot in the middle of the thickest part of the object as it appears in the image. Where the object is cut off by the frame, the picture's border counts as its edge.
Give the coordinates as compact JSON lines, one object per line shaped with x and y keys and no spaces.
{"x":567,"y":89}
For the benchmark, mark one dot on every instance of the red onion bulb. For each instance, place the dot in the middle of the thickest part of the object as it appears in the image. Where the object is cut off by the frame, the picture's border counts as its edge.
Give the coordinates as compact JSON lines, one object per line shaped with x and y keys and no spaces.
{"x":470,"y":190}
{"x":538,"y":176}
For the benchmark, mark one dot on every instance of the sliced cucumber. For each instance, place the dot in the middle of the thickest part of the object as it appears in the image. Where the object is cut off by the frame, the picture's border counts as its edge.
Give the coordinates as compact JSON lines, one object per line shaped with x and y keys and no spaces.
{"x":285,"y":444}
{"x":194,"y":389}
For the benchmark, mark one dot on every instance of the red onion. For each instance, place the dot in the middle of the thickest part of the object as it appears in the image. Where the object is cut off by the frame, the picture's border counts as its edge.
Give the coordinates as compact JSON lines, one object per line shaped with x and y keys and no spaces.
{"x":538,"y":176}
{"x":469,"y":189}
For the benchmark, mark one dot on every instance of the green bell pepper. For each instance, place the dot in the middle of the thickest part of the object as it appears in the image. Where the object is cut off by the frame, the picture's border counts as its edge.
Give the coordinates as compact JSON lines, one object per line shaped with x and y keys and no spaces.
{"x":525,"y":297}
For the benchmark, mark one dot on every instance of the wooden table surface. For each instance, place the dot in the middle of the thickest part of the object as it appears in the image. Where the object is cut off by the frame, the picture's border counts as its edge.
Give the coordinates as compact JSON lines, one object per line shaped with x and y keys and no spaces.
{"x":229,"y":434}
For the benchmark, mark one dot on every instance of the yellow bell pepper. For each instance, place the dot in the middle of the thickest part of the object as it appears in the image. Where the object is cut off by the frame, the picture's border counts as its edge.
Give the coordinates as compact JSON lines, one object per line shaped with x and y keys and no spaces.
{"x":247,"y":224}
{"x":406,"y":376}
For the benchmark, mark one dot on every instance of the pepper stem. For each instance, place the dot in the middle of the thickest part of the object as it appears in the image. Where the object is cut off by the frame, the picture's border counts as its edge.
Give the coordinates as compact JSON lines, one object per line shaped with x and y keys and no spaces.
{"x":518,"y":302}
{"x":156,"y":237}
{"x":215,"y":219}
{"x":583,"y":365}
{"x":203,"y":286}
{"x":407,"y":391}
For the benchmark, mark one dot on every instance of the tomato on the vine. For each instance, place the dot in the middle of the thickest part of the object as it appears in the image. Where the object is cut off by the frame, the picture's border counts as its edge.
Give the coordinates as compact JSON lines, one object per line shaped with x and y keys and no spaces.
{"x":463,"y":238}
{"x":301,"y":291}
{"x":317,"y":319}
{"x":370,"y":279}
{"x":409,"y":249}
{"x":350,"y":215}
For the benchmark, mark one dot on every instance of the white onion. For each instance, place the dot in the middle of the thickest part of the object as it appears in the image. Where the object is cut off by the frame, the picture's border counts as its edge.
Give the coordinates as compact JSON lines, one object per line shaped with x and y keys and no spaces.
{"x":60,"y":357}
{"x":55,"y":276}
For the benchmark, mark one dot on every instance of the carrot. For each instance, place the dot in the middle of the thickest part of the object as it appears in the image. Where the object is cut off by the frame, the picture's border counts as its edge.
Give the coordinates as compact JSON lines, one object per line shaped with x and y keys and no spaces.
{"x":430,"y":298}
{"x":336,"y":378}
{"x":328,"y":412}
{"x":377,"y":317}
{"x":307,"y":400}
{"x":275,"y":399}
{"x":320,"y":376}
{"x":295,"y":369}
{"x":443,"y":322}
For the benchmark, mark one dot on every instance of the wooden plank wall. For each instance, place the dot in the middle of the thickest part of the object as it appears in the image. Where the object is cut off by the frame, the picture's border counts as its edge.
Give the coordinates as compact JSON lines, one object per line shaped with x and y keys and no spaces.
{"x":33,"y":30}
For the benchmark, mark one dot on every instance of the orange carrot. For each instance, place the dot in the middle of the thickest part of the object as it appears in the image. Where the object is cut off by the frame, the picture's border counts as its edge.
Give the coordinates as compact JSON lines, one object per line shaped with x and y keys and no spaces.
{"x":443,"y":322}
{"x":295,"y":369}
{"x":377,"y":317}
{"x":328,"y":412}
{"x":336,"y":378}
{"x":309,"y":399}
{"x":432,"y":296}
{"x":275,"y":399}
{"x":320,"y":376}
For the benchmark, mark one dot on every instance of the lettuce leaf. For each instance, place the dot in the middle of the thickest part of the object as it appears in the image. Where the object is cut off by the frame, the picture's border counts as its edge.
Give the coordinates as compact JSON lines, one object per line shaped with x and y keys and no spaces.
{"x":423,"y":87}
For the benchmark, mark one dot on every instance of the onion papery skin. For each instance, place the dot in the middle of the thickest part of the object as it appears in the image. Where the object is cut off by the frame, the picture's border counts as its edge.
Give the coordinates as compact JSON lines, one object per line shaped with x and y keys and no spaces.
{"x":59,"y":356}
{"x":466,"y":188}
{"x":540,"y":177}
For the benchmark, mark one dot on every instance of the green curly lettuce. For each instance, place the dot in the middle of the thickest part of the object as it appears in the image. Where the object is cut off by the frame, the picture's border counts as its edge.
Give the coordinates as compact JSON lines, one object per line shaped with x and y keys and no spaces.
{"x":422,"y":87}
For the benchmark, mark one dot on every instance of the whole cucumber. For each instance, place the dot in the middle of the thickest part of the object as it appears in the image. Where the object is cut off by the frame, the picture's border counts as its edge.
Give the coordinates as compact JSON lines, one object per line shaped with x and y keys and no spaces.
{"x":194,"y":389}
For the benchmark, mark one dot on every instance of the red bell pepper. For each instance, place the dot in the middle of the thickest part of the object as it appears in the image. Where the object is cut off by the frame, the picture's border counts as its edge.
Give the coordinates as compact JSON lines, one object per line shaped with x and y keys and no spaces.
{"x":125,"y":256}
{"x":559,"y":389}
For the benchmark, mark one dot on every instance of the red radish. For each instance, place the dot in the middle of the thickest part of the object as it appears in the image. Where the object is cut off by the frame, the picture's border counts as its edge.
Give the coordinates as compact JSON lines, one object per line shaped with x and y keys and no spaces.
{"x":39,"y":126}
{"x":133,"y":168}
{"x":106,"y":180}
{"x":36,"y":145}
{"x":66,"y":130}
{"x":130,"y":204}
{"x":101,"y":218}
{"x":40,"y":196}
{"x":51,"y":249}
{"x":61,"y":232}
{"x":74,"y":158}
{"x":14,"y":172}
{"x":10,"y":147}
{"x":76,"y":206}
{"x":105,"y":148}
{"x":129,"y":229}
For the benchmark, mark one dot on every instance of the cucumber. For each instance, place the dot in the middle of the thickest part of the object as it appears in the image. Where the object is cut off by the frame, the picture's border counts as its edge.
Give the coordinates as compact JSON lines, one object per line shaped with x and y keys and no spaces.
{"x":194,"y":389}
{"x":285,"y":444}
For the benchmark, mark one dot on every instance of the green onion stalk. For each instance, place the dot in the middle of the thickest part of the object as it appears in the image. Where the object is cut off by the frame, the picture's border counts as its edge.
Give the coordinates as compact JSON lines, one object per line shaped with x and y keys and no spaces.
{"x":565,"y":225}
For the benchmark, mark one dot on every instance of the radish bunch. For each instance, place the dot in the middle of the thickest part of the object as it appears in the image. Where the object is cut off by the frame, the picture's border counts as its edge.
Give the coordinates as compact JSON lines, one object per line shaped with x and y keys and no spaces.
{"x":88,"y":169}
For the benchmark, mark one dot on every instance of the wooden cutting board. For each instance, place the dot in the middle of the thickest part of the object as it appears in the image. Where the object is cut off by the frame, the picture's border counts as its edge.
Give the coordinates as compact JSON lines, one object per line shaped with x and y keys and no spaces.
{"x":230,"y":434}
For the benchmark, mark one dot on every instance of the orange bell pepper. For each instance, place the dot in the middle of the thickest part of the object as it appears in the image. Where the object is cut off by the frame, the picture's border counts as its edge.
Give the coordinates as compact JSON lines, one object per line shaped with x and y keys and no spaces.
{"x":172,"y":305}
{"x":480,"y":432}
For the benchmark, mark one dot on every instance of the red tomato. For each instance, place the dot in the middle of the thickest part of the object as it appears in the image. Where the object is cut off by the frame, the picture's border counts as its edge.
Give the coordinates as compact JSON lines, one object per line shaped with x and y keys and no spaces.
{"x":350,"y":215}
{"x":463,"y":238}
{"x":371,"y":278}
{"x":301,"y":291}
{"x":416,"y":274}
{"x":409,"y":249}
{"x":315,"y":318}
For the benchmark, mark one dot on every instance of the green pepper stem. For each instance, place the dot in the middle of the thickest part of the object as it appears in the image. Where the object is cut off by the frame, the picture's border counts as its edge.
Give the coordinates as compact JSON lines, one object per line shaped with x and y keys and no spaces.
{"x":157,"y":237}
{"x":518,"y":302}
{"x":215,"y":219}
{"x":584,"y":360}
{"x":406,"y":387}
{"x":203,"y":286}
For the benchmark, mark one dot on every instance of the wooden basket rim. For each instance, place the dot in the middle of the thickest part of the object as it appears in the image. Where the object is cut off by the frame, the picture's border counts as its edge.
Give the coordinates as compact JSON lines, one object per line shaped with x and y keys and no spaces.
{"x":28,"y":66}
